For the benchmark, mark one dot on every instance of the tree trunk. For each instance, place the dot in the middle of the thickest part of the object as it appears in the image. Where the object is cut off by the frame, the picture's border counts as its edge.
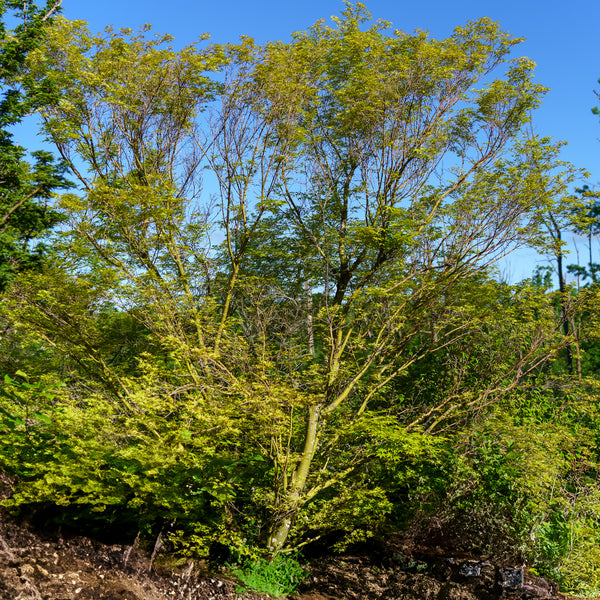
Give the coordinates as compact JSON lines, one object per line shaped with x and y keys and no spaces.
{"x":291,"y":499}
{"x":562,"y":287}
{"x":563,"y":308}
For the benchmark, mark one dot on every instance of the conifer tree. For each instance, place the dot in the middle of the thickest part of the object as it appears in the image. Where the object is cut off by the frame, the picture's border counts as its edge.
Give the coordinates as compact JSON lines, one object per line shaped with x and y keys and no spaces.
{"x":25,"y":187}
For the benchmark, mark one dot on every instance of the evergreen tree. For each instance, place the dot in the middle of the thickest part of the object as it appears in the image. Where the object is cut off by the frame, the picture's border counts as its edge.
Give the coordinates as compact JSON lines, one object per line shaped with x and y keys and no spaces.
{"x":25,"y":187}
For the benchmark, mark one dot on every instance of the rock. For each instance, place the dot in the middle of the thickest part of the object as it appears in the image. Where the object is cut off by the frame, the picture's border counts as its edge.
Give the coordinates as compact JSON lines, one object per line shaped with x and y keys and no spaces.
{"x":510,"y":579}
{"x":470,"y":569}
{"x":538,"y":587}
{"x":26,"y":570}
{"x":83,"y":569}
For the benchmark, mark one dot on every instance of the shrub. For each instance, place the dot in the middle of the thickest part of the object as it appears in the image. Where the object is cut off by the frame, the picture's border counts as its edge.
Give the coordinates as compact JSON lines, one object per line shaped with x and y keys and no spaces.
{"x":277,"y":577}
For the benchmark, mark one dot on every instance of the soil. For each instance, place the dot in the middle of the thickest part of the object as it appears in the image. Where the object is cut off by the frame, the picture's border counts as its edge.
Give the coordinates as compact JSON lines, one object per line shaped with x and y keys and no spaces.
{"x":357,"y":578}
{"x":39,"y":566}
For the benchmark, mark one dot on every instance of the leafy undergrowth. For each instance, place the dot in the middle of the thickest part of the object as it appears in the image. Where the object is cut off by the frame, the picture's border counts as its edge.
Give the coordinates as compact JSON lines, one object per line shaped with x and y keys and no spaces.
{"x":279,"y":577}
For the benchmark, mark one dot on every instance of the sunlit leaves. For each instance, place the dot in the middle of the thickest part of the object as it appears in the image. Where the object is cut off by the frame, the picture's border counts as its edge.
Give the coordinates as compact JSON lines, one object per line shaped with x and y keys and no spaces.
{"x":325,"y":302}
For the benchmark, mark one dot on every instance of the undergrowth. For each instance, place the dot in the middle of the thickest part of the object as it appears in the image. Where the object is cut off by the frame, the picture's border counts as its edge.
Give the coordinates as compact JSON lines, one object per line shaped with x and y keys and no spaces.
{"x":277,"y":577}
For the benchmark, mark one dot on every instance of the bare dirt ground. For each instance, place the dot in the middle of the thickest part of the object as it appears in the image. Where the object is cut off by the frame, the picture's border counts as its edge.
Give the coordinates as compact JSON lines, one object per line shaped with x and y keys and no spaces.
{"x":34,"y":566}
{"x":40,"y":566}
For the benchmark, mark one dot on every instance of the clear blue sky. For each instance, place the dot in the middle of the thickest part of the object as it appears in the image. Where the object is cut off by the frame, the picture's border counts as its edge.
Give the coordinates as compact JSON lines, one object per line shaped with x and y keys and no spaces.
{"x":562,"y":37}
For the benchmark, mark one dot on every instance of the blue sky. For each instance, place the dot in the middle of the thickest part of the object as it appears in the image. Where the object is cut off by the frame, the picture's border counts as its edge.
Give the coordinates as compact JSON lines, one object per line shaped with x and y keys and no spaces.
{"x":562,"y":37}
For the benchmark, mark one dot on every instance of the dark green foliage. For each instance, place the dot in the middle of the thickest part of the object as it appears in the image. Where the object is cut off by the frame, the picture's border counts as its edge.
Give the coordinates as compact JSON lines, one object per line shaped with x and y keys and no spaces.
{"x":25,"y":189}
{"x":522,"y":485}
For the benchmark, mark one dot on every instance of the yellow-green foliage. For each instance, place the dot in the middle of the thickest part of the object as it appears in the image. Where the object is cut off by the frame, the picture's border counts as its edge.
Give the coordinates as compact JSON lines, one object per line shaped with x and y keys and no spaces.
{"x":145,"y":461}
{"x":315,"y":343}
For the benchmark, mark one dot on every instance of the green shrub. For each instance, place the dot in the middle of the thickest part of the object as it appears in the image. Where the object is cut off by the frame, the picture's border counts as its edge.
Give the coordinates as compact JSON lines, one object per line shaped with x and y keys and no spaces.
{"x":277,"y":577}
{"x":92,"y":463}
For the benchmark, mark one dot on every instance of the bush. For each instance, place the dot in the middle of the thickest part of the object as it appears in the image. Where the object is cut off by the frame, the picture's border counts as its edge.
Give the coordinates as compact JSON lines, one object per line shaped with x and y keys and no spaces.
{"x":277,"y":577}
{"x":92,"y":464}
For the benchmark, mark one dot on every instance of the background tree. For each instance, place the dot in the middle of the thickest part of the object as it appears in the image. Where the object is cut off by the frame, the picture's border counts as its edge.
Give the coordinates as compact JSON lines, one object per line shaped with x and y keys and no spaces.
{"x":589,"y":227}
{"x":26,"y":212}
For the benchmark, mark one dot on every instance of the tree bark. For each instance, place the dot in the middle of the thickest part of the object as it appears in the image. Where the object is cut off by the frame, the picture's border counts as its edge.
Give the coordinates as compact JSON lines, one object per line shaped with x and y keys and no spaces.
{"x":292,"y":500}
